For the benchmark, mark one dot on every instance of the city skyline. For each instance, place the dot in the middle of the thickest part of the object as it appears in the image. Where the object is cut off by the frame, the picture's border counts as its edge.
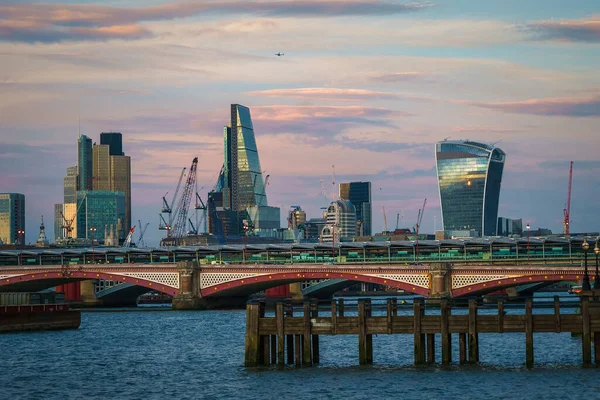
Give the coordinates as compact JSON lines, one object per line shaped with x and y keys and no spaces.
{"x":371,"y":101}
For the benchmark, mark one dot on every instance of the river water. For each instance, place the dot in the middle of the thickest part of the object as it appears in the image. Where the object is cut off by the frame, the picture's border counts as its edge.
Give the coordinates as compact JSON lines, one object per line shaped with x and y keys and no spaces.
{"x":199,"y":355}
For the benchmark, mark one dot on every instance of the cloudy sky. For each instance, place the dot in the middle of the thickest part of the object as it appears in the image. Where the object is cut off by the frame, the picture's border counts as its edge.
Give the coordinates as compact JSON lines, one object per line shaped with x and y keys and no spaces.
{"x":366,"y":85}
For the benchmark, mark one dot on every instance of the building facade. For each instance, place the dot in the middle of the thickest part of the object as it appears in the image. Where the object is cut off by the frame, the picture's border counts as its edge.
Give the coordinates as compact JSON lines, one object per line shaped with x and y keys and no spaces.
{"x":359,"y":194}
{"x":70,"y":185}
{"x":469,"y":178}
{"x":509,"y":226}
{"x":58,"y":222}
{"x":84,"y":162}
{"x":114,"y":140}
{"x":12,"y":218}
{"x":341,"y":222}
{"x":102,"y":210}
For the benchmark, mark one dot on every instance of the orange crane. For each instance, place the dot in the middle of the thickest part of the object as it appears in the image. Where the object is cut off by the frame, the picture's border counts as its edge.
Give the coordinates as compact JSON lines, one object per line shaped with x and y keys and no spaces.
{"x":418,"y":225}
{"x":567,"y":209}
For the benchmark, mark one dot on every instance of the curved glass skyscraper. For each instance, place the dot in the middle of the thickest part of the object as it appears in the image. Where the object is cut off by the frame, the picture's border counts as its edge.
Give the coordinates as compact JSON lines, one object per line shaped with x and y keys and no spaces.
{"x":469,"y":178}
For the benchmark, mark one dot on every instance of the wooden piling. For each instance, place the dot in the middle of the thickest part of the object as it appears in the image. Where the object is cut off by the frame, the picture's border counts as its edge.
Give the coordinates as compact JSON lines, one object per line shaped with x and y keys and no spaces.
{"x":596,"y":348}
{"x":251,"y":345}
{"x":445,"y":333}
{"x":341,"y":308}
{"x":290,"y":338}
{"x":362,"y":333}
{"x":430,"y":348}
{"x":334,"y":322}
{"x":263,"y":356}
{"x":298,"y":348}
{"x":529,"y":333}
{"x":395,"y":307}
{"x":473,"y":336}
{"x":307,"y":348}
{"x":273,"y":349}
{"x":280,"y":334}
{"x":388,"y":315}
{"x":586,"y":344}
{"x":315,"y":338}
{"x":368,"y":337}
{"x":557,"y":313}
{"x":419,"y":345}
{"x":501,"y":316}
{"x":462,"y":347}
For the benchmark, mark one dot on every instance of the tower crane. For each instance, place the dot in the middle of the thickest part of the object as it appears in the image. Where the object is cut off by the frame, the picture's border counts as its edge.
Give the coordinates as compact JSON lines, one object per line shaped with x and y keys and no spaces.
{"x":67,"y":225}
{"x":184,"y":203}
{"x":201,"y":205}
{"x":417,"y":226}
{"x":385,"y":220}
{"x":127,"y":242}
{"x":397,"y":221}
{"x":168,"y":207}
{"x":567,"y":209}
{"x":141,"y":242}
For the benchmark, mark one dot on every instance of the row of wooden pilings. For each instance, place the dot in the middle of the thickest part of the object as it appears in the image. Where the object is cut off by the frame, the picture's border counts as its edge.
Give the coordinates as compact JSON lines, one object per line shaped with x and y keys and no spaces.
{"x":287,"y":339}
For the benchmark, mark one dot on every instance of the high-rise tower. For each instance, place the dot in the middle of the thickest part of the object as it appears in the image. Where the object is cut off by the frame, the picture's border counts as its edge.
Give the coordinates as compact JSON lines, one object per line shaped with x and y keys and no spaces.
{"x":359,"y":194}
{"x":84,"y":162}
{"x":469,"y":178}
{"x":12,"y":218}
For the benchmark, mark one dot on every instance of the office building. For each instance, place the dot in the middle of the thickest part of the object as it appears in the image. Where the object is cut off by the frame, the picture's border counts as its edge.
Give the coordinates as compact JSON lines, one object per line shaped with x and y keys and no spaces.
{"x":84,"y":162}
{"x":12,"y":218}
{"x":469,"y":177}
{"x":296,"y":218}
{"x":341,"y":222}
{"x":241,"y":184}
{"x":359,"y":194}
{"x":58,"y":222}
{"x":114,"y":140}
{"x":70,"y":186}
{"x":102,"y":210}
{"x":509,"y":226}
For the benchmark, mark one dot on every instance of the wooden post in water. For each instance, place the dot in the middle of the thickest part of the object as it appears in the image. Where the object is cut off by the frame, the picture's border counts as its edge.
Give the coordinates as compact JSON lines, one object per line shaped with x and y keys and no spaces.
{"x":557,"y":313}
{"x":273,"y":349}
{"x":362,"y":333}
{"x":430,"y":348}
{"x":473,"y":336}
{"x":529,"y":333}
{"x":419,"y":340}
{"x":462,"y":348}
{"x":290,"y":338}
{"x":334,"y":317}
{"x":251,"y":345}
{"x":586,"y":344}
{"x":445,"y":332}
{"x":315,"y":338}
{"x":388,"y":315}
{"x":280,"y":334}
{"x":307,"y":348}
{"x":395,"y":307}
{"x":298,"y":348}
{"x":341,"y":307}
{"x":263,"y":339}
{"x":368,"y":337}
{"x":501,"y":316}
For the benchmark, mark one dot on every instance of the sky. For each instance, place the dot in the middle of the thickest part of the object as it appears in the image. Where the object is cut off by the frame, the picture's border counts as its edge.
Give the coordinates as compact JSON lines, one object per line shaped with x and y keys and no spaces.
{"x":367,"y":86}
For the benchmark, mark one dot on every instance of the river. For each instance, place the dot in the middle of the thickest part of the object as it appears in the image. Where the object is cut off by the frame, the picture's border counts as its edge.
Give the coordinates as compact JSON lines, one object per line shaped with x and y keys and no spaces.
{"x":131,"y":354}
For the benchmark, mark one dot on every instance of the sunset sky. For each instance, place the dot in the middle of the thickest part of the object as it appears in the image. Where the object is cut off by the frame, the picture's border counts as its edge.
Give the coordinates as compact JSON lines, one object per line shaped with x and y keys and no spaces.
{"x":368,"y":86}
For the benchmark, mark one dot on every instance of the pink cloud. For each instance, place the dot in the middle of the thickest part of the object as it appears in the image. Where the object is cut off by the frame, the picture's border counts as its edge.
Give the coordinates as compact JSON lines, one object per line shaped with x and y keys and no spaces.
{"x":571,"y":107}
{"x":324,"y":93}
{"x":570,"y":30}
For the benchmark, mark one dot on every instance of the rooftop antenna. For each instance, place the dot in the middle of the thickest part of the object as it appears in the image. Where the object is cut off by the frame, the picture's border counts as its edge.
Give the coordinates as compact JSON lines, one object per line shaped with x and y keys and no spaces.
{"x":333,"y":196}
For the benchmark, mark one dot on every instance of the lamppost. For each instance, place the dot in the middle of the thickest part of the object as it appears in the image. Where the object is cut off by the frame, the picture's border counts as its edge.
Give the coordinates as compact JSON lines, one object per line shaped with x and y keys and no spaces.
{"x":245,"y":226}
{"x":597,"y":278}
{"x":93,"y":230}
{"x":21,"y":234}
{"x":528,"y":229}
{"x":586,"y":278}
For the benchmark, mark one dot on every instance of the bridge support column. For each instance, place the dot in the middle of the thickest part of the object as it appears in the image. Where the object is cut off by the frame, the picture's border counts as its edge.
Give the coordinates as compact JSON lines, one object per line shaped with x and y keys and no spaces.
{"x":189,"y":297}
{"x":88,"y":297}
{"x":441,"y":280}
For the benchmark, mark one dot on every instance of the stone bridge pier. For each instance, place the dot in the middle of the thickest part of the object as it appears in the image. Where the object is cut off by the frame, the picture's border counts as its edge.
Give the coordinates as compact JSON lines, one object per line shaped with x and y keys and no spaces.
{"x":441,"y":280}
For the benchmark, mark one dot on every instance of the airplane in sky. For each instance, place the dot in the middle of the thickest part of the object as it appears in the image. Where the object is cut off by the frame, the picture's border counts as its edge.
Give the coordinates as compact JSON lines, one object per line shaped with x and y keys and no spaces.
{"x":279,"y":54}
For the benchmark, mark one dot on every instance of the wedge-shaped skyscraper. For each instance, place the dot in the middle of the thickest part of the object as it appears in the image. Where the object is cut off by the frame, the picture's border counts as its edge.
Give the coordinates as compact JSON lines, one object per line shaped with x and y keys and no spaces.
{"x":469,"y":178}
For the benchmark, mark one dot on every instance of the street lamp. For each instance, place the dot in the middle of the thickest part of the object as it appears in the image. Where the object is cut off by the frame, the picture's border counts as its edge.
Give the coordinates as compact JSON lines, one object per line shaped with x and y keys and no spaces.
{"x":93,"y":230}
{"x":597,"y":252}
{"x":528,"y":229}
{"x":21,"y":234}
{"x":586,"y":278}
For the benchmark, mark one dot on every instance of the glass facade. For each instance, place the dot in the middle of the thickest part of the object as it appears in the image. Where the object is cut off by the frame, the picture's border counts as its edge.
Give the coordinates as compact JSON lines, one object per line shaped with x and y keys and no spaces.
{"x":84,"y":162}
{"x":58,"y":221}
{"x":12,"y":218}
{"x":120,"y":178}
{"x":341,"y":222}
{"x":101,"y":167}
{"x":70,"y":185}
{"x":359,"y":194}
{"x":469,"y":178}
{"x":102,"y":210}
{"x":115,"y":142}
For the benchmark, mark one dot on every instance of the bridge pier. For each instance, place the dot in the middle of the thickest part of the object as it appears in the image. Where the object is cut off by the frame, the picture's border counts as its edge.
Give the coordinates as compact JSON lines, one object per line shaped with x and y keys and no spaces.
{"x":441,"y":286}
{"x":189,"y":297}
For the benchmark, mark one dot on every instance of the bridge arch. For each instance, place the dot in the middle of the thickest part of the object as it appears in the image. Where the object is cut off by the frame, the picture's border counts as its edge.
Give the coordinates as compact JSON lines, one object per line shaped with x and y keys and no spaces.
{"x":249,"y":285}
{"x":58,"y":278}
{"x":503,"y":283}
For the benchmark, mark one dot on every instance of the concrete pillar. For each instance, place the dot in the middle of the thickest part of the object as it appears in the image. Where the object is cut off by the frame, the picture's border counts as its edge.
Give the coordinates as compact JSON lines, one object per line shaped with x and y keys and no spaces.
{"x":441,"y":278}
{"x":88,"y":296}
{"x":296,"y":291}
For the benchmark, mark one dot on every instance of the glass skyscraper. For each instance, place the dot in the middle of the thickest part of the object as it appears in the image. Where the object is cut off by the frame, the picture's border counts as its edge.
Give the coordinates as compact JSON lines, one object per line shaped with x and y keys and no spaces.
{"x":359,"y":194}
{"x":114,"y":140}
{"x":84,"y":162}
{"x":12,"y":218}
{"x":469,"y":178}
{"x":101,"y":210}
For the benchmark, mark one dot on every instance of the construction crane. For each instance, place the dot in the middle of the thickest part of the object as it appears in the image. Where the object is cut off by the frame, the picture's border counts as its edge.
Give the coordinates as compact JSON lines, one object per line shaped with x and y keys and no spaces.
{"x":127,"y":242}
{"x":397,"y":221}
{"x":178,"y":230}
{"x":67,"y":225}
{"x":201,"y":205}
{"x":567,"y":209}
{"x":385,"y":220}
{"x":168,"y":207}
{"x":193,"y":230}
{"x":417,"y":226}
{"x":141,"y":242}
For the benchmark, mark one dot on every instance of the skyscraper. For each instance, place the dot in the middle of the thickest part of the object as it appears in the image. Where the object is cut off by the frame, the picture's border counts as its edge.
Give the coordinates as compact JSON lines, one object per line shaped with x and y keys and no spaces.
{"x":241,"y":181}
{"x":12,"y":218}
{"x":359,"y":194}
{"x":341,"y":222}
{"x":469,"y":178}
{"x":84,"y":162}
{"x":99,"y":209}
{"x":114,"y":140}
